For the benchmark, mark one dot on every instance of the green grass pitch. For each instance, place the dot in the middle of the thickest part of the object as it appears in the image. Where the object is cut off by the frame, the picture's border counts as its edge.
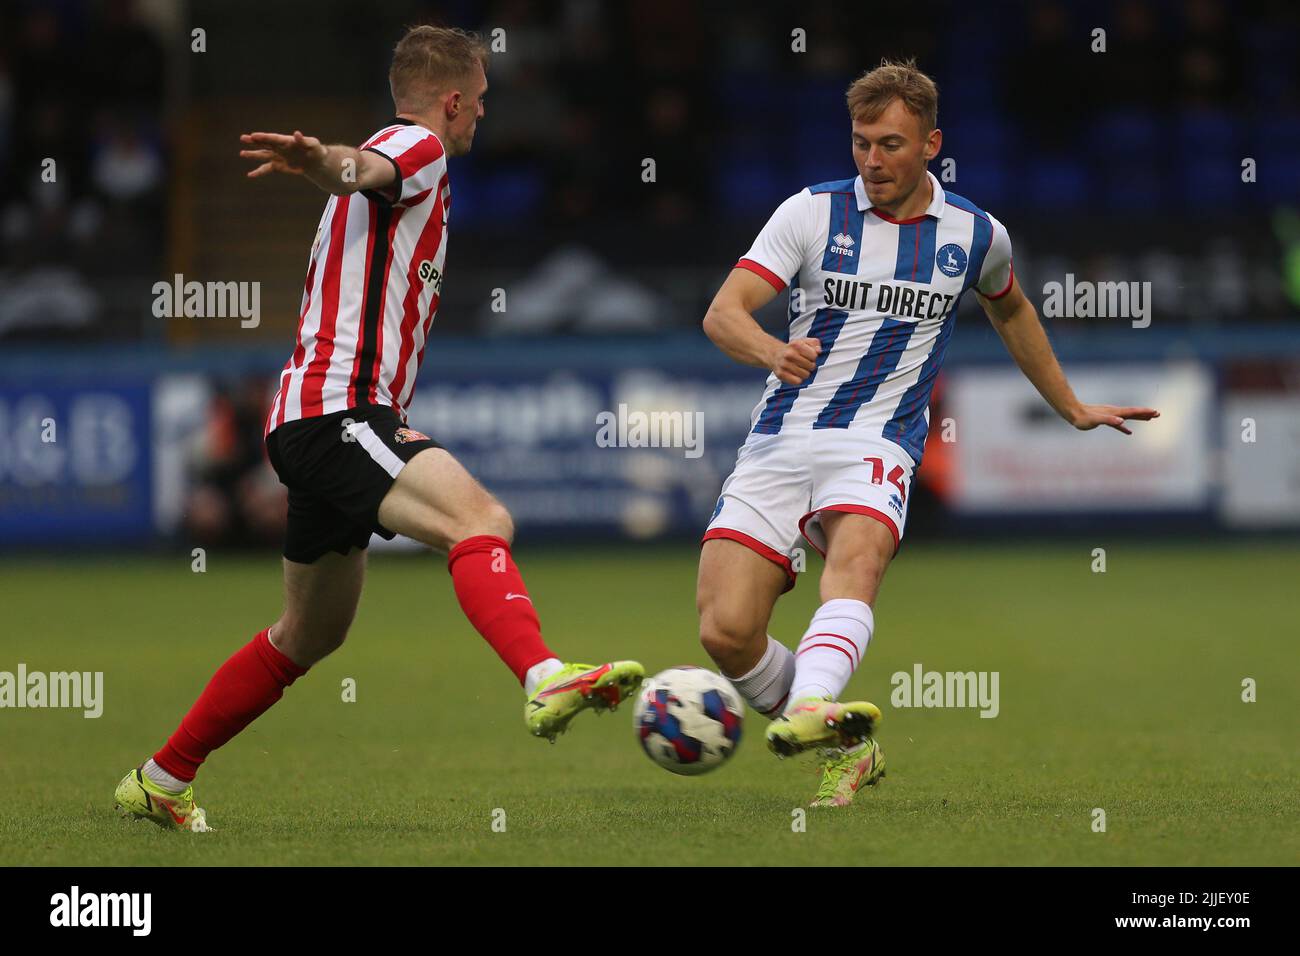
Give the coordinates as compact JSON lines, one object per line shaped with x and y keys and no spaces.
{"x":1119,"y":690}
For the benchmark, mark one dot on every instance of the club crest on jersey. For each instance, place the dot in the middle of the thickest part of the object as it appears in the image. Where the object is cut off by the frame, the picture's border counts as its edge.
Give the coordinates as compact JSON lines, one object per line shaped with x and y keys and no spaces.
{"x":951,"y":259}
{"x":842,"y":244}
{"x":404,"y":435}
{"x":430,"y":275}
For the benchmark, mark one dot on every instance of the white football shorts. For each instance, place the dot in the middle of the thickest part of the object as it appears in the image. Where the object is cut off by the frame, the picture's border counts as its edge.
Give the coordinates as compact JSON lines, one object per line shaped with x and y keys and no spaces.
{"x":782,"y":483}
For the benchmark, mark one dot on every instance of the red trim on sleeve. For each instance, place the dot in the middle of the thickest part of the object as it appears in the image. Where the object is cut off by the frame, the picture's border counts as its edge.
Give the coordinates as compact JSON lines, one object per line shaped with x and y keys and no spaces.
{"x":1011,"y":277}
{"x":758,"y":547}
{"x":762,"y":272}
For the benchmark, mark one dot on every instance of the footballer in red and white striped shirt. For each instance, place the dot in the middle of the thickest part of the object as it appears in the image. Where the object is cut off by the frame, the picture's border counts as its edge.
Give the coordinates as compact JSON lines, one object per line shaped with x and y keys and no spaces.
{"x":337,"y":434}
{"x":373,"y":283}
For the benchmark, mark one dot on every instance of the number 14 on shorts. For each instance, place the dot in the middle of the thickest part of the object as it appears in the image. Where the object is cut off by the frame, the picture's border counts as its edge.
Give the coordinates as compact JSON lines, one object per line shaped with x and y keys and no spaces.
{"x":895,"y":477}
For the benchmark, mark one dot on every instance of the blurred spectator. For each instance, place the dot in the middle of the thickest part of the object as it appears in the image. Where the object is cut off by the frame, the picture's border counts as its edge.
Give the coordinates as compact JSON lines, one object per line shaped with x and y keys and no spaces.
{"x":1056,"y":47}
{"x":1137,"y":64}
{"x":234,"y":498}
{"x":735,"y":120}
{"x":1209,"y":61}
{"x":125,"y":167}
{"x":81,"y":205}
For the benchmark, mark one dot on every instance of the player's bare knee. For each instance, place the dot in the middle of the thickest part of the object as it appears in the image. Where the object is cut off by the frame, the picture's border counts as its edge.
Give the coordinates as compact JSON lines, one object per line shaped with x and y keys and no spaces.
{"x":725,"y":638}
{"x":283,"y":638}
{"x":304,"y":644}
{"x":493,"y":518}
{"x":486,"y":517}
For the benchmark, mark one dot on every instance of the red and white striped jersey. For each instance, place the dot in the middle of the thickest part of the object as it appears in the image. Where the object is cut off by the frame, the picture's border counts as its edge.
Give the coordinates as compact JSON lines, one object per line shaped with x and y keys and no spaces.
{"x":373,"y":284}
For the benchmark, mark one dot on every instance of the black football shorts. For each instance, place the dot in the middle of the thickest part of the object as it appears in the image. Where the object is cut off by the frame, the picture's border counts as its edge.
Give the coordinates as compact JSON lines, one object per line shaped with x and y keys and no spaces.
{"x":338,"y":467}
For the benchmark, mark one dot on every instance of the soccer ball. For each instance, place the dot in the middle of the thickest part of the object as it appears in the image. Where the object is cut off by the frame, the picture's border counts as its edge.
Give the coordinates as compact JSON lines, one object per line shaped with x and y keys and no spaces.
{"x":688,"y":720}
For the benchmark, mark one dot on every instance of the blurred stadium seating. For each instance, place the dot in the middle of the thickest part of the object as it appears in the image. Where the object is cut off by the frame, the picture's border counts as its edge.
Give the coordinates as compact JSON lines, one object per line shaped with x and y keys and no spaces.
{"x":1122,"y":165}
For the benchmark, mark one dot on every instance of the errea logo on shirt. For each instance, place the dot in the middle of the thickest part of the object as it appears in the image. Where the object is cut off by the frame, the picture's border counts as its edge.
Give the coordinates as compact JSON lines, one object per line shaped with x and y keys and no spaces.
{"x":841,"y":244}
{"x":430,"y":275}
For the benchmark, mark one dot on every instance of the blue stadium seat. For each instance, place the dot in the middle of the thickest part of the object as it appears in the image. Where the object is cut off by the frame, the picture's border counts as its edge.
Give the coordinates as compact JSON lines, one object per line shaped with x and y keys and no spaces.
{"x":820,"y":167}
{"x":465,"y":192}
{"x":1214,"y":181}
{"x":1278,"y":174}
{"x":1136,"y":183}
{"x":1125,"y":149}
{"x":1056,"y":181}
{"x":1202,"y":131}
{"x":1127,"y":133}
{"x":983,"y":182}
{"x":982,"y":145}
{"x":979,"y":129}
{"x":748,"y":181}
{"x":515,"y":193}
{"x":744,"y":98}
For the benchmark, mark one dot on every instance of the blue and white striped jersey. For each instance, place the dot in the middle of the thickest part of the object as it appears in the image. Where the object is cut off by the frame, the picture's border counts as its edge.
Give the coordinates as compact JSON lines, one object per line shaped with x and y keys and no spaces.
{"x":881,"y":295}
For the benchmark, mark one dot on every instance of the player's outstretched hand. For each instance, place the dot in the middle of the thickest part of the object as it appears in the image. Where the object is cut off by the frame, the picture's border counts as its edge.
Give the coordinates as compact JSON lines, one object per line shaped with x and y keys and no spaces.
{"x":278,"y":153}
{"x":796,"y":361}
{"x":1090,"y":416}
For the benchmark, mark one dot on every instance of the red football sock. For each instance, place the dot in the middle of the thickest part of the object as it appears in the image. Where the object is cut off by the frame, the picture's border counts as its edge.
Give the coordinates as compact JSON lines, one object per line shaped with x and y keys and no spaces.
{"x":493,"y":597}
{"x":240,"y":691}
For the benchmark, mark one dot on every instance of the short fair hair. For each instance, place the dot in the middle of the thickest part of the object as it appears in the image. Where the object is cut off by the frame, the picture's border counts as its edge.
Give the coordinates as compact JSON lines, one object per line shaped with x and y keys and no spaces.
{"x":429,"y":60}
{"x":871,"y":93}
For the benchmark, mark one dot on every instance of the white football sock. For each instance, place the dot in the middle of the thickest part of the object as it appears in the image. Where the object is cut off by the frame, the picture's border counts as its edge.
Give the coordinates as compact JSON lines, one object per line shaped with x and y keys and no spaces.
{"x":161,"y":777}
{"x":832,"y":648}
{"x":539,"y":672}
{"x":768,"y":684}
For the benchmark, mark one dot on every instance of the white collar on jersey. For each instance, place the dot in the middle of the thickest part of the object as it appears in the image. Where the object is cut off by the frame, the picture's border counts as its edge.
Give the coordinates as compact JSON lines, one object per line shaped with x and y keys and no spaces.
{"x":935,"y":208}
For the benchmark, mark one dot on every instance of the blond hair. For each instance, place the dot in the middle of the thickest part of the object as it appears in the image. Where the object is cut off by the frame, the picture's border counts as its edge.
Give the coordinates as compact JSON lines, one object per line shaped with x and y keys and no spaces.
{"x":871,"y":93}
{"x":428,"y":60}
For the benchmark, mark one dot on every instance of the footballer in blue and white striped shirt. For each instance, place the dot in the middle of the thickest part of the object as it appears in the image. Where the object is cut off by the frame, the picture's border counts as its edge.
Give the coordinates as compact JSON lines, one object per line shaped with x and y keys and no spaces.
{"x":876,"y":266}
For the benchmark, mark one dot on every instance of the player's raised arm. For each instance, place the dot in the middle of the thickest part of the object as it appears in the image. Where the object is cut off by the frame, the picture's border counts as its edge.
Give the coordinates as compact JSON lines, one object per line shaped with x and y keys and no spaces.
{"x":1016,"y":321}
{"x":339,"y":170}
{"x":731,"y":326}
{"x":766,"y":269}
